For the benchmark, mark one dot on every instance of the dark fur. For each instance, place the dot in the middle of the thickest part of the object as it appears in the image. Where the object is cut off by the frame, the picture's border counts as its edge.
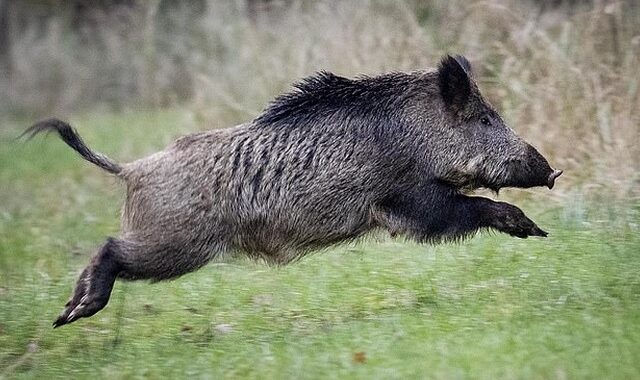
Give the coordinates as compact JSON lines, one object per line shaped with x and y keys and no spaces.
{"x":325,"y":163}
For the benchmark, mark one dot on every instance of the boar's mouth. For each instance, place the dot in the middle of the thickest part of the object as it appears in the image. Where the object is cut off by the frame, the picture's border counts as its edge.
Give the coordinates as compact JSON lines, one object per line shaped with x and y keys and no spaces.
{"x":514,"y":175}
{"x":521,"y":179}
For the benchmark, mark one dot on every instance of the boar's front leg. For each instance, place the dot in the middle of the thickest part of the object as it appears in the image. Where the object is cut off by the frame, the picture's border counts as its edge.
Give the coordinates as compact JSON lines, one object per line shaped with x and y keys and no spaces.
{"x":467,"y":214}
{"x":433,"y":214}
{"x":503,"y":217}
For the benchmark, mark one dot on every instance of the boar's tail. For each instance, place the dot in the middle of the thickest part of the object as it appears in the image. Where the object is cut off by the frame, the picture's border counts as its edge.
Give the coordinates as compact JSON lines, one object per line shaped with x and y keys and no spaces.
{"x":71,"y":137}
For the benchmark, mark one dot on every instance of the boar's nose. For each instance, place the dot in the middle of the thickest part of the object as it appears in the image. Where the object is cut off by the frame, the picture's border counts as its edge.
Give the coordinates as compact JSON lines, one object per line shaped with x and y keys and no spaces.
{"x":552,"y":178}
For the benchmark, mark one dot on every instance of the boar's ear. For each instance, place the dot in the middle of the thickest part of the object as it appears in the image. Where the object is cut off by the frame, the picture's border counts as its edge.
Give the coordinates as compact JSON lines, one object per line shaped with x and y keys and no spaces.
{"x":454,"y":81}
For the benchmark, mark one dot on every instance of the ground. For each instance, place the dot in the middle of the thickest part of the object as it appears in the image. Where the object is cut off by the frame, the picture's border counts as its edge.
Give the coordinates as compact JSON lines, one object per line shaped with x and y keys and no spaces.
{"x":567,"y":306}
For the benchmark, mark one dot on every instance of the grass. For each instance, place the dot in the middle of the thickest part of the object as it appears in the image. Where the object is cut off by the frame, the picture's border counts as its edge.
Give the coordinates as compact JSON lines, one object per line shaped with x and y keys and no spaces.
{"x":493,"y":307}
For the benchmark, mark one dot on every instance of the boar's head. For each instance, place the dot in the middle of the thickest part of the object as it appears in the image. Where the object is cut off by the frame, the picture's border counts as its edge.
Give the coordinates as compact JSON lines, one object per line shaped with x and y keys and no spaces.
{"x":479,"y":149}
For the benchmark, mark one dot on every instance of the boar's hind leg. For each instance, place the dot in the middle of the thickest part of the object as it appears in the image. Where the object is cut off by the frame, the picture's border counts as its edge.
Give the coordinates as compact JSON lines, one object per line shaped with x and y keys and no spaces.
{"x":127,"y":260}
{"x":162,"y":260}
{"x":94,"y":285}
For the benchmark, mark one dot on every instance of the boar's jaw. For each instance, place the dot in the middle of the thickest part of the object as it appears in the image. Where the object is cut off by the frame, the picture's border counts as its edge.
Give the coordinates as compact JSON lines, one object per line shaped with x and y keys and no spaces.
{"x":514,"y":176}
{"x":529,"y":170}
{"x":474,"y":175}
{"x":467,"y":182}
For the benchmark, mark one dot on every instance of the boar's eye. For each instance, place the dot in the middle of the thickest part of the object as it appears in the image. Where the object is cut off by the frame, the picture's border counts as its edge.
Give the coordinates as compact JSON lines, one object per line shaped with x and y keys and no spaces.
{"x":485,"y":120}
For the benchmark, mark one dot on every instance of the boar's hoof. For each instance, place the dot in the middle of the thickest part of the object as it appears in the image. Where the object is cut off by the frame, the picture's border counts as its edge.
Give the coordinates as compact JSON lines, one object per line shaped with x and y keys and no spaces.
{"x":524,"y":232}
{"x":511,"y":220}
{"x":87,"y":306}
{"x":536,"y":231}
{"x":552,"y":178}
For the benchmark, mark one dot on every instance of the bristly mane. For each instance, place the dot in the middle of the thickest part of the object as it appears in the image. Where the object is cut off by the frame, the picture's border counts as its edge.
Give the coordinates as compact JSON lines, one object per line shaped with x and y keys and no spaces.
{"x":325,"y":94}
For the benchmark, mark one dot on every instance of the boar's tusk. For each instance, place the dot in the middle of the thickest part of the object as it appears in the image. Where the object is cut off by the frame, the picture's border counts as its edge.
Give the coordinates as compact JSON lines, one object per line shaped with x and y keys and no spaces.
{"x":552,"y":178}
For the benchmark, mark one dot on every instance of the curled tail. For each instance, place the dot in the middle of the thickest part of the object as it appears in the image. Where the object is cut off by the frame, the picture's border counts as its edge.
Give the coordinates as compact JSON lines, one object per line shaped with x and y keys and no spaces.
{"x":71,"y":137}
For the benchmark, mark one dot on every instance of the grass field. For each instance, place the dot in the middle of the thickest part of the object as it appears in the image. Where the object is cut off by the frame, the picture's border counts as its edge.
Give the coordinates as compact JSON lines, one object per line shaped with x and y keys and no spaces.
{"x":493,"y":307}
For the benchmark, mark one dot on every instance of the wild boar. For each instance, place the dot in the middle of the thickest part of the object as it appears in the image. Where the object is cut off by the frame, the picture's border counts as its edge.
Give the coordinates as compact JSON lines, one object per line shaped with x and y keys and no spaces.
{"x":326,"y":163}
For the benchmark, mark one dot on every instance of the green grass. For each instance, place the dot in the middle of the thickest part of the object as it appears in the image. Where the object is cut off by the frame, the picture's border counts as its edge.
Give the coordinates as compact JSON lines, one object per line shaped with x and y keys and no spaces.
{"x":493,"y":307}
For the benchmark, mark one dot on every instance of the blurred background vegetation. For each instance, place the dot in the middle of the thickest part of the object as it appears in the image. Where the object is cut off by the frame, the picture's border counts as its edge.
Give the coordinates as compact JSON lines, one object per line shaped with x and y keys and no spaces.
{"x":564,"y":73}
{"x":132,"y":75}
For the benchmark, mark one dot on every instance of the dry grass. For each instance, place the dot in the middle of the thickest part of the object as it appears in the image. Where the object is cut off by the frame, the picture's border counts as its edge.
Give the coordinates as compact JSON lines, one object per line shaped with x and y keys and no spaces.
{"x":565,"y":78}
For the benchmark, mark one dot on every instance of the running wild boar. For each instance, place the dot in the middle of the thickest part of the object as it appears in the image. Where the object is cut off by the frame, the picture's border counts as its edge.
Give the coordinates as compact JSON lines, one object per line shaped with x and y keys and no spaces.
{"x":325,"y":163}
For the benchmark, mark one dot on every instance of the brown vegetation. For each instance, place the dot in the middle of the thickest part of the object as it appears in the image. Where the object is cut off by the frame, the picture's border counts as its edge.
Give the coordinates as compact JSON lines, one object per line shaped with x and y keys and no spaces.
{"x":565,"y":75}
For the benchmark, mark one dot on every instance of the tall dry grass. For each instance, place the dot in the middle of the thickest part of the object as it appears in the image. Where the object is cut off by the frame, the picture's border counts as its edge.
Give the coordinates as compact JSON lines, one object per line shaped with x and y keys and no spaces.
{"x":566,"y":78}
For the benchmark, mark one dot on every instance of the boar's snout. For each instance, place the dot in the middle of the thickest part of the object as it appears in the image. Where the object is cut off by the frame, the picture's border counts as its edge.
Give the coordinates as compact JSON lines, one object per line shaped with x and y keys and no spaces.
{"x":532,"y":169}
{"x":540,"y":173}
